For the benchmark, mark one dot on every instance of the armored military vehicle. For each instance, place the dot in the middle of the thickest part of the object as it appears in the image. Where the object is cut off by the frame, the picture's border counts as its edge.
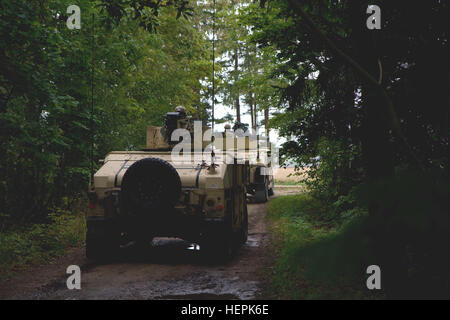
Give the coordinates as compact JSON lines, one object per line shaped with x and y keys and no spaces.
{"x":138,"y":195}
{"x":260,"y":181}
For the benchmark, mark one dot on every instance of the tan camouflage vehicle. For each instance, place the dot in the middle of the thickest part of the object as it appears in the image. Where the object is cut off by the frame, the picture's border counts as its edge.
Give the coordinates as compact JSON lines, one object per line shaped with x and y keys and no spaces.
{"x":260,"y":182}
{"x":139,"y":195}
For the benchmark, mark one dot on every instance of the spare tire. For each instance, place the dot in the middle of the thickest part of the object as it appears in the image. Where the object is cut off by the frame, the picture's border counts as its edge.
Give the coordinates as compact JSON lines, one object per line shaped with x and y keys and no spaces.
{"x":149,"y":186}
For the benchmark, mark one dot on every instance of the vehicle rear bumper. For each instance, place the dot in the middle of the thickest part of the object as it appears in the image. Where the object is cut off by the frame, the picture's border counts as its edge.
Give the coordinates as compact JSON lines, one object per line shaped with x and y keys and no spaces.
{"x":180,"y":226}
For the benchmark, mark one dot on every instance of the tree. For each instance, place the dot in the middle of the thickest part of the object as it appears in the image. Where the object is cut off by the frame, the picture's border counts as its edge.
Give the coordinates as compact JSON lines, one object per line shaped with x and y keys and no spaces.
{"x":45,"y":91}
{"x":347,"y":101}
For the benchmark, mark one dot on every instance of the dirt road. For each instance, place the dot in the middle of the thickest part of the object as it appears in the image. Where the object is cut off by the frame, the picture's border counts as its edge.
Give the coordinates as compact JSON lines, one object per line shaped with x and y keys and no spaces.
{"x":169,"y":269}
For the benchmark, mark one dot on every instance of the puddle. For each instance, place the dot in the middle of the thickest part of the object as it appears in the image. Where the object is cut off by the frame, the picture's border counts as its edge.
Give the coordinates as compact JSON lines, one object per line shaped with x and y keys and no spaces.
{"x":211,"y":285}
{"x":199,"y":296}
{"x":253,"y":241}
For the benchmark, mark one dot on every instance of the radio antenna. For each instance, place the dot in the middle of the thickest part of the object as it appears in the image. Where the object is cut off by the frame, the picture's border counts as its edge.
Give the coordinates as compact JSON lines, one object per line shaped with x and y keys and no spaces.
{"x":213,"y":155}
{"x":213,"y":65}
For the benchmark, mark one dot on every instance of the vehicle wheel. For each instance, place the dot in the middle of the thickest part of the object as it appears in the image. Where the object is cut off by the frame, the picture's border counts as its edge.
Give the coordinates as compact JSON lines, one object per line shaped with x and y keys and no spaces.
{"x":218,"y":246}
{"x":101,"y":243}
{"x":262,"y":196}
{"x":225,"y":249}
{"x":217,"y":251}
{"x":271,"y":192}
{"x":244,"y":229}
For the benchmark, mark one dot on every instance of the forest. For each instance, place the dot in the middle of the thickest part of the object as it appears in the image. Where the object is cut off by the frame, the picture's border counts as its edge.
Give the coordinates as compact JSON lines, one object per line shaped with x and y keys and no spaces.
{"x":364,"y":110}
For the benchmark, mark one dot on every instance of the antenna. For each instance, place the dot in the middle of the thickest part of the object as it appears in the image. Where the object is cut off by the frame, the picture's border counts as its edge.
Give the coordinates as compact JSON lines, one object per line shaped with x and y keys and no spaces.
{"x":213,"y":65}
{"x":213,"y":155}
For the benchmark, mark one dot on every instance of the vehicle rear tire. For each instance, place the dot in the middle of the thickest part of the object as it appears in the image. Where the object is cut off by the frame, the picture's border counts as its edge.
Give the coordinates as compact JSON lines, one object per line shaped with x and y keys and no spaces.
{"x":262,"y":196}
{"x":244,"y":229}
{"x":217,"y":251}
{"x":102,"y":243}
{"x":271,"y":191}
{"x":218,"y":245}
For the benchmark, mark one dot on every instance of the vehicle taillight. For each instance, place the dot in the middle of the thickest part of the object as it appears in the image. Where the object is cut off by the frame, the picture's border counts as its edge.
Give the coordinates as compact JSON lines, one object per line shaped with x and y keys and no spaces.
{"x":92,"y":199}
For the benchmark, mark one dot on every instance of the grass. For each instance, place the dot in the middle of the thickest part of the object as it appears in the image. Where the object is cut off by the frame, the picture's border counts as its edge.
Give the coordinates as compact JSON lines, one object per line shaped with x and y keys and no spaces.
{"x":316,"y":258}
{"x":288,"y":183}
{"x":21,"y":248}
{"x":289,"y":176}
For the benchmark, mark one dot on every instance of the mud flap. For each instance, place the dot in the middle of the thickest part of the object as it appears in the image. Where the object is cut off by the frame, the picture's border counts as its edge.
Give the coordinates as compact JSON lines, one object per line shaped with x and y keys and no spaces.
{"x":217,"y":242}
{"x":102,"y":239}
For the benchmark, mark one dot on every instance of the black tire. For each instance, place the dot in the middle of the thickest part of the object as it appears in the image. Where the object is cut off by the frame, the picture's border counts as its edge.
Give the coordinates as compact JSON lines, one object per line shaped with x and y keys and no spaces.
{"x":149,"y":186}
{"x":271,"y":192}
{"x":217,"y":243}
{"x":102,"y":242}
{"x":217,"y":249}
{"x":244,"y":229}
{"x":262,"y":196}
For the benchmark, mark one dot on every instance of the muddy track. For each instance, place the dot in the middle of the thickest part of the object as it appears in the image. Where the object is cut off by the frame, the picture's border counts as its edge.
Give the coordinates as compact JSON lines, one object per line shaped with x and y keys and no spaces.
{"x":168,"y":269}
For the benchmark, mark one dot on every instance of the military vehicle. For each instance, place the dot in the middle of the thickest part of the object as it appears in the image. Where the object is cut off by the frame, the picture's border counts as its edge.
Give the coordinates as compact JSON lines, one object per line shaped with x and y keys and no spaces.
{"x":138,"y":195}
{"x":260,"y":181}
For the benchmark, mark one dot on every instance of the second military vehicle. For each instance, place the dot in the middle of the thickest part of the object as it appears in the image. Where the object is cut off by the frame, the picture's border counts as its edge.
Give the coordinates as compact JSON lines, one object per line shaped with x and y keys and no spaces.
{"x":260,"y":181}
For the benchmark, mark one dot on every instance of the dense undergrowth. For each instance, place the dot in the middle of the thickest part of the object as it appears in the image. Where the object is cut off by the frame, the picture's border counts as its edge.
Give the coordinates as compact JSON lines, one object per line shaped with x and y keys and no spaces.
{"x":317,"y":257}
{"x":39,"y":243}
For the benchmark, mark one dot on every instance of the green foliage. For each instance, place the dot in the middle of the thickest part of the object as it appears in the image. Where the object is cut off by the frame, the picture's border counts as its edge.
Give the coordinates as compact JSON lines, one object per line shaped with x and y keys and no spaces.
{"x":45,"y":92}
{"x":412,"y":231}
{"x":323,"y":250}
{"x":148,"y":58}
{"x":317,"y":258}
{"x":288,"y":183}
{"x":356,"y":106}
{"x":145,"y":12}
{"x":295,"y":206}
{"x":331,"y":174}
{"x":19,"y":248}
{"x":324,"y":98}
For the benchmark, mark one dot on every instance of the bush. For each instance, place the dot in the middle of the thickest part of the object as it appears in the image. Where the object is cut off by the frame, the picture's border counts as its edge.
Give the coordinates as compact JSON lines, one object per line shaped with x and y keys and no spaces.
{"x":318,"y":257}
{"x":411,"y":231}
{"x":327,"y":248}
{"x":36,"y":244}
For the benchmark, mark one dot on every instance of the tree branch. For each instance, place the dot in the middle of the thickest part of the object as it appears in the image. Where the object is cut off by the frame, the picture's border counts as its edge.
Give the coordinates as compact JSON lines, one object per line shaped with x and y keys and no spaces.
{"x":363,"y":72}
{"x":380,"y":76}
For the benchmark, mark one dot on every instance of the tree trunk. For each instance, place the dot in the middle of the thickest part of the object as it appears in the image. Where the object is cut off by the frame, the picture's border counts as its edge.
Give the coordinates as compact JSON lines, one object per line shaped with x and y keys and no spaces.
{"x":251,"y":111}
{"x":389,"y":244}
{"x":266,"y":121}
{"x":253,"y":107}
{"x":236,"y":69}
{"x":255,"y":115}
